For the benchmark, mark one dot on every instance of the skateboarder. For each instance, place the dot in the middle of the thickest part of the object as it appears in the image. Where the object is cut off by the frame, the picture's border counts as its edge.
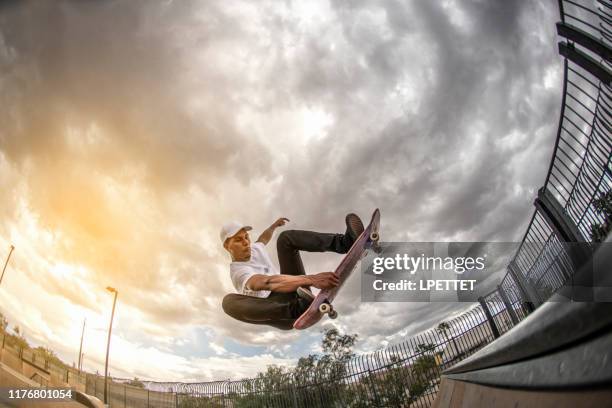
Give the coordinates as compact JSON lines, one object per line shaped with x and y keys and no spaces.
{"x":265,"y":294}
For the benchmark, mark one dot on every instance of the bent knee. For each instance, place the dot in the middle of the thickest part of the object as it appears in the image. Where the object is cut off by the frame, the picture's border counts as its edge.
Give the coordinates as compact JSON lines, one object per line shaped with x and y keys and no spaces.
{"x":284,"y":238}
{"x":229,"y":303}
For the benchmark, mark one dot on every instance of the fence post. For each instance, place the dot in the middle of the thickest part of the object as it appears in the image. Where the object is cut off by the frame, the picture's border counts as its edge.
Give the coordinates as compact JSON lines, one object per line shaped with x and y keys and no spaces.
{"x":124,"y":396}
{"x":292,"y":385}
{"x":485,"y":308}
{"x":563,"y":226}
{"x":509,"y":308}
{"x":582,"y":59}
{"x":320,"y":394}
{"x":373,"y":386}
{"x":530,"y":295}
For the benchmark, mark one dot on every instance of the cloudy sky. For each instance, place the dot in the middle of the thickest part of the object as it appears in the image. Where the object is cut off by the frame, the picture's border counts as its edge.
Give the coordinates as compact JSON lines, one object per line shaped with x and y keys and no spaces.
{"x":130,"y":131}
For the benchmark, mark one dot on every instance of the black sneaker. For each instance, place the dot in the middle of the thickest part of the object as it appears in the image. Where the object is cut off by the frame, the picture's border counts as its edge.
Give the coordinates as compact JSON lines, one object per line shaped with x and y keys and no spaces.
{"x":354,"y":228}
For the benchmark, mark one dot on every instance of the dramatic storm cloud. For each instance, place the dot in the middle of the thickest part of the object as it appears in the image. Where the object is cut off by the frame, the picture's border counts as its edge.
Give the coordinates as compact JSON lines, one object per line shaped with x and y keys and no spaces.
{"x":130,"y":131}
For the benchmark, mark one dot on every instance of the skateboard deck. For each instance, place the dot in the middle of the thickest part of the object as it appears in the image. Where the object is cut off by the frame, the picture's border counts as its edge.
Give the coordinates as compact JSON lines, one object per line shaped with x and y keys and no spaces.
{"x":322,"y":303}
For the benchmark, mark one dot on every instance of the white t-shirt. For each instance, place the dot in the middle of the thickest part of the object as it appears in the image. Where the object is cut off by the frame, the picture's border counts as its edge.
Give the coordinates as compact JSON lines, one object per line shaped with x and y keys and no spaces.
{"x":259,"y":264}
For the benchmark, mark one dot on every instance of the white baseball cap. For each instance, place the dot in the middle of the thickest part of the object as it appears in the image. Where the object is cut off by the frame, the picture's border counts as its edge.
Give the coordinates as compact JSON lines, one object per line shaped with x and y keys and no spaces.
{"x":232,"y":228}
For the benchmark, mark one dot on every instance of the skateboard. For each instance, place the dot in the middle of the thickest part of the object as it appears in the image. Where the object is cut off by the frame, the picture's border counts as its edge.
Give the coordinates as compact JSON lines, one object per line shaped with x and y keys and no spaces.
{"x":322,"y":303}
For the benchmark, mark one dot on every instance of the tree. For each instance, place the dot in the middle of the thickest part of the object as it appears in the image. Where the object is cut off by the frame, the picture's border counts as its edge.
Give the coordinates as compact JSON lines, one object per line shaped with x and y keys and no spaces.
{"x":19,"y":340}
{"x":337,"y":351}
{"x":135,"y":383}
{"x":444,"y":328}
{"x":603,"y":206}
{"x":424,"y":369}
{"x":305,"y":370}
{"x":3,"y":327}
{"x":272,"y":379}
{"x":338,"y":346}
{"x":3,"y":323}
{"x":395,"y":383}
{"x":272,"y":385}
{"x":315,"y":379}
{"x":48,"y":356}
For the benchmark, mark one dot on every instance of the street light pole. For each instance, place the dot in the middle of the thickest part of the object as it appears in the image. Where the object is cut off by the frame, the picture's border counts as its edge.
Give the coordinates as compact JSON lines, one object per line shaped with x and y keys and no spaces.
{"x":110,"y":328}
{"x":6,"y":263}
{"x":81,"y":347}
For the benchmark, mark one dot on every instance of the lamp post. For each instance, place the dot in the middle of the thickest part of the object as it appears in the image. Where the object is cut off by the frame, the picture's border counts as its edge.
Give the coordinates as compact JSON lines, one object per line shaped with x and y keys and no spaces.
{"x":81,"y":347}
{"x":110,"y":328}
{"x":6,"y":263}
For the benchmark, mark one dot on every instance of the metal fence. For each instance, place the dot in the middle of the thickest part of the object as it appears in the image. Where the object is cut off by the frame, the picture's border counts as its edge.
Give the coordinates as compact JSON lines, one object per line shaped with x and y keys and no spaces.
{"x":123,"y":395}
{"x":403,"y":374}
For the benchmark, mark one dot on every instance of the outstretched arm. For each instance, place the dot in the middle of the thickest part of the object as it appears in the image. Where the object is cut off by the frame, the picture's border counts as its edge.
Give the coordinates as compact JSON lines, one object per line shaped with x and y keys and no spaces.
{"x":266,"y":236}
{"x":290,"y":283}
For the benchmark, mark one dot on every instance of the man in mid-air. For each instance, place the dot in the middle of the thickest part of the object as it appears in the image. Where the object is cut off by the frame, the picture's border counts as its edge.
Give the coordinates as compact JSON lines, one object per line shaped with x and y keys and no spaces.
{"x":267,"y":295}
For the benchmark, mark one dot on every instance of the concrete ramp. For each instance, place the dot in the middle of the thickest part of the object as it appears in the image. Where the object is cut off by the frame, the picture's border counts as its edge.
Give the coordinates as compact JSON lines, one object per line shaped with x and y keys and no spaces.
{"x":456,"y":394}
{"x":13,"y":379}
{"x":559,"y":356}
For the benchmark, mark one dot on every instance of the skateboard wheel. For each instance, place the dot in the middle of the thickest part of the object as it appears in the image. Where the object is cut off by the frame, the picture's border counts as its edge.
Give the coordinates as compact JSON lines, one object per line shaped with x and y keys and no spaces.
{"x":333,"y":314}
{"x":374,"y":236}
{"x":325,"y":308}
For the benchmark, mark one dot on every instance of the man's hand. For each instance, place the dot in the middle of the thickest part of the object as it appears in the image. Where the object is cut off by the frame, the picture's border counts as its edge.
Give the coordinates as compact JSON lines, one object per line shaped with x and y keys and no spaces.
{"x":325,"y":280}
{"x":280,"y":222}
{"x":266,"y":236}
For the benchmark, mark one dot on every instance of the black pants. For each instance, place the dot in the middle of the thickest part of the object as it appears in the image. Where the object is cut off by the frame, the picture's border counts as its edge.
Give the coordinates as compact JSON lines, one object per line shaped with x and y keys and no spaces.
{"x":280,"y":310}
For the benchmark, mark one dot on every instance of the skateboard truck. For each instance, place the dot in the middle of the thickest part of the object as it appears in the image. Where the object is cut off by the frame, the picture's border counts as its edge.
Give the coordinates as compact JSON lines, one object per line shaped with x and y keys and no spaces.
{"x":374,"y":242}
{"x":327,"y":308}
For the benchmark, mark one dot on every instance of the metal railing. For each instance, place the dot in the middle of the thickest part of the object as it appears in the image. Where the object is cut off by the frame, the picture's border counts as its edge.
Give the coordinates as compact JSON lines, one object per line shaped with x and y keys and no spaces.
{"x":401,"y":374}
